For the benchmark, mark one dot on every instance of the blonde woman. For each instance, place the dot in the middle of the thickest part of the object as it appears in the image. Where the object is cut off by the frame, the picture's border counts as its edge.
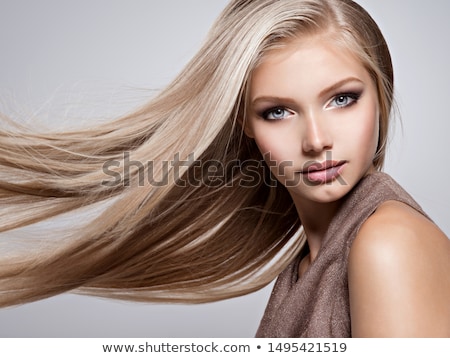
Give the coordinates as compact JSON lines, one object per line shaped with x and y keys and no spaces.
{"x":263,"y":156}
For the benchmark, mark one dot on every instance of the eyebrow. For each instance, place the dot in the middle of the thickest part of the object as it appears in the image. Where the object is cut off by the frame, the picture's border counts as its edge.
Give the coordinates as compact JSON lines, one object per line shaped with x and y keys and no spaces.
{"x":338,"y":84}
{"x":322,"y":93}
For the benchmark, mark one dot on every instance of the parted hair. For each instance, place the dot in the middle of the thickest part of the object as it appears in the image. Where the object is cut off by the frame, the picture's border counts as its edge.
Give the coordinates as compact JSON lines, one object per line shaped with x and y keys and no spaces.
{"x":195,"y":238}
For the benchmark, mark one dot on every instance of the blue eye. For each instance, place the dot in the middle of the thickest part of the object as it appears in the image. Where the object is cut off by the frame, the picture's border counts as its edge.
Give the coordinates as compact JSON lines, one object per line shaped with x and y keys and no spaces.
{"x":275,"y":114}
{"x":344,"y":100}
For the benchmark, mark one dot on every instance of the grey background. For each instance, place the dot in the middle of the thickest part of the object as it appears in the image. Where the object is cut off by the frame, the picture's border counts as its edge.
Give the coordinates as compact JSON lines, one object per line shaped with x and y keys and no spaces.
{"x":64,"y":63}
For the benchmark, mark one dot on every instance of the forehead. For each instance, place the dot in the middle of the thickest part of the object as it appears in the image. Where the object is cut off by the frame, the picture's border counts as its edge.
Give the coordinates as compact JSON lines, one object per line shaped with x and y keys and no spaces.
{"x":313,"y":63}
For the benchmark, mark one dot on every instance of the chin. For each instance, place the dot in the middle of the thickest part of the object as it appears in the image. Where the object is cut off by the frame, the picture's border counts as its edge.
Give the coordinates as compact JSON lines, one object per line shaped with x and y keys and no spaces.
{"x":323,"y":193}
{"x":331,"y":196}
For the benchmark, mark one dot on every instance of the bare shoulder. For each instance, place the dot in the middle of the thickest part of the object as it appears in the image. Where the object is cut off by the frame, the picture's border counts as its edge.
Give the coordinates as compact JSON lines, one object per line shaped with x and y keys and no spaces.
{"x":399,"y":276}
{"x":396,"y":228}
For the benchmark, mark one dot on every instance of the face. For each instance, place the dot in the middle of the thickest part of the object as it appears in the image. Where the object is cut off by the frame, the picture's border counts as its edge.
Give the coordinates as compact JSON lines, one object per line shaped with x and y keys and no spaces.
{"x":314,"y":116}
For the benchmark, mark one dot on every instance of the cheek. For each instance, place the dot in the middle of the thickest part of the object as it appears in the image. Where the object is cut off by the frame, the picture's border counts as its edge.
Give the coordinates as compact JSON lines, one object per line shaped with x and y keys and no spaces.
{"x":276,"y":141}
{"x":373,"y":130}
{"x":369,"y":131}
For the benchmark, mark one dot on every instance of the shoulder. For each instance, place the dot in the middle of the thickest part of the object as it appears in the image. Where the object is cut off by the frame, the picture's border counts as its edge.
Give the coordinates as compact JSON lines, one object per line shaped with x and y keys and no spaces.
{"x":399,"y":275}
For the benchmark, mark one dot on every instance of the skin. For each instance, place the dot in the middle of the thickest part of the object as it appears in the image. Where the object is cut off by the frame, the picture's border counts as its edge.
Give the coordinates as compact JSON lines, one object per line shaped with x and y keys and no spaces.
{"x":311,"y":101}
{"x":398,"y":276}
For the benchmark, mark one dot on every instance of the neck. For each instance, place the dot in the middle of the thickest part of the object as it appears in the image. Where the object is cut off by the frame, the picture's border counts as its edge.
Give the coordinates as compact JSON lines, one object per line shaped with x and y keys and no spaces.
{"x":316,"y":218}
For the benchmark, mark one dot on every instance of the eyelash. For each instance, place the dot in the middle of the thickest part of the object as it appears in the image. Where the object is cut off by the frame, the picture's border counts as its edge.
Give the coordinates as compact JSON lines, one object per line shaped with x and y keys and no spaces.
{"x":353,"y":97}
{"x":265,"y":114}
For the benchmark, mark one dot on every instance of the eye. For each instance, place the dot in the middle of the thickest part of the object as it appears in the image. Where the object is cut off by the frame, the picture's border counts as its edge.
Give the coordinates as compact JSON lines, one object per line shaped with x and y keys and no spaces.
{"x":344,"y":100}
{"x":275,"y":114}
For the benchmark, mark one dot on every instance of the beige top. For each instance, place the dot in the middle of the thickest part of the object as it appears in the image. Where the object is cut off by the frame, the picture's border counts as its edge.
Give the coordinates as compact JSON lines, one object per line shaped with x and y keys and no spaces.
{"x":317,"y":304}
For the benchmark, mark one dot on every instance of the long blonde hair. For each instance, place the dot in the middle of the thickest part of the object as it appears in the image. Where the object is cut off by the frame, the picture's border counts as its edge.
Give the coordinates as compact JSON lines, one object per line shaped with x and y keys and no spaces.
{"x":196,"y":237}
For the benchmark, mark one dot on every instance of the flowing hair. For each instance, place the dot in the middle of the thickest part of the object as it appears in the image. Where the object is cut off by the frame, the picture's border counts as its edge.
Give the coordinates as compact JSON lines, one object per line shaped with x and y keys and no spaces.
{"x":211,"y":222}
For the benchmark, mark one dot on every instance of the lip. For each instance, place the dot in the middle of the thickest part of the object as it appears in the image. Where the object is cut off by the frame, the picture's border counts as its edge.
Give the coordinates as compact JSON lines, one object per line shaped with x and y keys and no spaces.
{"x":323,"y":172}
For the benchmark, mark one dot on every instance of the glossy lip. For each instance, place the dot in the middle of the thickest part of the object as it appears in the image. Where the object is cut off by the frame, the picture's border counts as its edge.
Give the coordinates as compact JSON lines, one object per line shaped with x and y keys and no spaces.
{"x":323,"y":172}
{"x":317,"y":166}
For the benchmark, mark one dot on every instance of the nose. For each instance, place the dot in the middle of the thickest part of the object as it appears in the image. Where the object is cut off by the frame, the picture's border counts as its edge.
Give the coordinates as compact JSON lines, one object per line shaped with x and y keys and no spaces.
{"x":316,"y":135}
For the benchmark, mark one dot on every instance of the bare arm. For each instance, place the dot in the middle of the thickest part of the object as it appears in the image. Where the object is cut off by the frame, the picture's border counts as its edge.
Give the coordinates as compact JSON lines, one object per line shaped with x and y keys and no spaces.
{"x":399,"y":276}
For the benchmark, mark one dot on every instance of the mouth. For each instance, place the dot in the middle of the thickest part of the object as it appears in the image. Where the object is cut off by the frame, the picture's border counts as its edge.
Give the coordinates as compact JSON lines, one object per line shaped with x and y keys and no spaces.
{"x":323,"y":172}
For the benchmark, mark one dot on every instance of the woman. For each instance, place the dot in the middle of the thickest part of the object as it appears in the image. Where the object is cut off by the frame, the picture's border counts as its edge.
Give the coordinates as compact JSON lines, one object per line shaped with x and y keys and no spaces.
{"x":244,"y":229}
